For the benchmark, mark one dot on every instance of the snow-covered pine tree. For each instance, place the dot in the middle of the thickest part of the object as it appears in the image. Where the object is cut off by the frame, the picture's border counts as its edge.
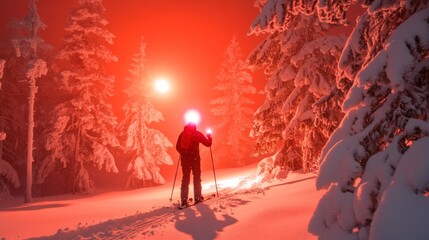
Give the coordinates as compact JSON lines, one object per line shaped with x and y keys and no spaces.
{"x":7,"y":172}
{"x":301,"y":66}
{"x":232,"y":107}
{"x":35,"y":67}
{"x":82,"y":132}
{"x":146,"y":147}
{"x":375,"y":165}
{"x":316,"y":65}
{"x":279,"y":15}
{"x":13,"y":102}
{"x":268,"y":125}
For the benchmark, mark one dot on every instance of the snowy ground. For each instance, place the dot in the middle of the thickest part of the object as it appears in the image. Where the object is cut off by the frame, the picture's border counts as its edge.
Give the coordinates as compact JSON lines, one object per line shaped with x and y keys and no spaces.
{"x":280,"y":210}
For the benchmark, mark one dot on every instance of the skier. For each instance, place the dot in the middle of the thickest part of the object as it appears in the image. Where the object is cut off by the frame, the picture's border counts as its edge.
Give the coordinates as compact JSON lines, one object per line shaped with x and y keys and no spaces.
{"x":188,"y":147}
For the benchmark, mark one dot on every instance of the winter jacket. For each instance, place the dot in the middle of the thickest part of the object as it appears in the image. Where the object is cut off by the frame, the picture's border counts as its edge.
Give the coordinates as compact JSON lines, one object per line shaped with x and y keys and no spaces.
{"x":188,"y":142}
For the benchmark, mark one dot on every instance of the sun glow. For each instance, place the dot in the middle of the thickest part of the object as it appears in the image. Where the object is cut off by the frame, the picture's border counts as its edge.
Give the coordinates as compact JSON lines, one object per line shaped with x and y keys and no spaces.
{"x":192,"y":116}
{"x":162,"y":85}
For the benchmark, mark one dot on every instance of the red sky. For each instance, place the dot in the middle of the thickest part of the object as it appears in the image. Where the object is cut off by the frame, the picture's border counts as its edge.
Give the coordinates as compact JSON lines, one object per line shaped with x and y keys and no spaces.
{"x":185,"y":42}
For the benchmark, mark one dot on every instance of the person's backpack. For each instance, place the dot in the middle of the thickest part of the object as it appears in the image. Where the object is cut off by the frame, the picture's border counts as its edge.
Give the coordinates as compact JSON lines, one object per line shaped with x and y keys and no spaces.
{"x":186,"y":139}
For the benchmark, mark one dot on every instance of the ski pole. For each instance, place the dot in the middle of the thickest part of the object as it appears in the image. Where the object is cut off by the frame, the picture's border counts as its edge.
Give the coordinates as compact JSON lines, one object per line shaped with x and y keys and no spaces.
{"x":174,"y":182}
{"x":214,"y":172}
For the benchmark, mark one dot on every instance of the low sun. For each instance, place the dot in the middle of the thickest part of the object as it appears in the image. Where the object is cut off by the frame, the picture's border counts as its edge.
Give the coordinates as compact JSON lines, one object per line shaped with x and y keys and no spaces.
{"x":162,"y":85}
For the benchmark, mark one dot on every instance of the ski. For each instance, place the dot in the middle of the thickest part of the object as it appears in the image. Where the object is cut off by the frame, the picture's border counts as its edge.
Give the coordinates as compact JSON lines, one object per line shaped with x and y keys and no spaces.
{"x":192,"y":203}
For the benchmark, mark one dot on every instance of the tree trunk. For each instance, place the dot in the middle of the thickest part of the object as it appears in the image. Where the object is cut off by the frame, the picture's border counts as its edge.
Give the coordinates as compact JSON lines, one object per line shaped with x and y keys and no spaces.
{"x":77,"y":160}
{"x":29,"y":182}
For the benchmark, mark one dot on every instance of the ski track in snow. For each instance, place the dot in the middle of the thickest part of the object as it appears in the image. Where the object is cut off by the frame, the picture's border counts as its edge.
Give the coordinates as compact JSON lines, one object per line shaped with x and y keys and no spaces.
{"x":278,"y":209}
{"x":150,"y":224}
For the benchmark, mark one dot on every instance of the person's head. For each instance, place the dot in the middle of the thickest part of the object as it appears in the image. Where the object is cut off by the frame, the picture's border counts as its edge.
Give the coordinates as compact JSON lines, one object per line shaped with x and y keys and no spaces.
{"x":191,"y":126}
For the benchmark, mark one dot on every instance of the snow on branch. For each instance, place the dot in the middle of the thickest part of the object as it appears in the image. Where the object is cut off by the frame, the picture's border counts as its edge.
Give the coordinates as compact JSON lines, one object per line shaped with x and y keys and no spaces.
{"x":36,"y":68}
{"x":398,"y":58}
{"x":103,"y":158}
{"x":278,"y":15}
{"x":2,"y":63}
{"x":377,"y":152}
{"x":7,"y":171}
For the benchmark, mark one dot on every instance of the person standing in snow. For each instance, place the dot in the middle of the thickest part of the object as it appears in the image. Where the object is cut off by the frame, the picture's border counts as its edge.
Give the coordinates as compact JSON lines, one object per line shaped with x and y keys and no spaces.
{"x":188,"y":147}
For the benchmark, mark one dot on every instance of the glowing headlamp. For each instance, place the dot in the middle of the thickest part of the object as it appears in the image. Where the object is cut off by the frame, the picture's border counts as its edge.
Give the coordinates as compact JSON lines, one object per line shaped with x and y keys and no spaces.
{"x":192,"y":116}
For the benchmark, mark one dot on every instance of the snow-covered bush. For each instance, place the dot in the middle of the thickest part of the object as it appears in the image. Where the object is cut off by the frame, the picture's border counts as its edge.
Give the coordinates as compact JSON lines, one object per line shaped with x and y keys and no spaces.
{"x":270,"y":169}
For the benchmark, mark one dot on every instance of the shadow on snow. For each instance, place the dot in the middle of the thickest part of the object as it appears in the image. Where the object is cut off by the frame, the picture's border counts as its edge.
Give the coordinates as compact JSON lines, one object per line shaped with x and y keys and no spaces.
{"x":148,"y":224}
{"x":33,"y":207}
{"x":292,"y":182}
{"x":201,"y":222}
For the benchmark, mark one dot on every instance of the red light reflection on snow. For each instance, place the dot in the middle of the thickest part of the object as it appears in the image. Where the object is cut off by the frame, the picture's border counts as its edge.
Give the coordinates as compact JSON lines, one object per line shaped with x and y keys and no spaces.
{"x":235,"y":184}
